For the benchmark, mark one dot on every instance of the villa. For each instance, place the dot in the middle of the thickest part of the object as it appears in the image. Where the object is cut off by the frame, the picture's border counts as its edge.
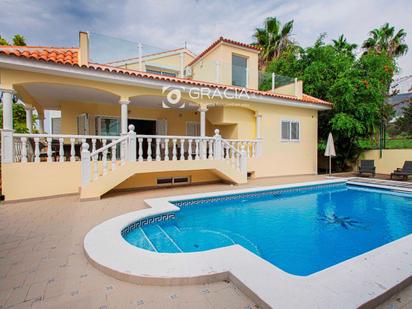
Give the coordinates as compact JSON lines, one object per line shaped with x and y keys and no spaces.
{"x":136,"y":117}
{"x":122,"y":128}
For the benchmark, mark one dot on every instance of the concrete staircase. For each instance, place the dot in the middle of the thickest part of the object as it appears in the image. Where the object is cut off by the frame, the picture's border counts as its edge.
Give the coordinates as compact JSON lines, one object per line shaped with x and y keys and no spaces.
{"x":221,"y":168}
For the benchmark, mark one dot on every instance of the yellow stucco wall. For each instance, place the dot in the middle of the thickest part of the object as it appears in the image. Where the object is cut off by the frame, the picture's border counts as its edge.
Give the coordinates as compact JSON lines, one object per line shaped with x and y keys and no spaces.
{"x":169,"y":63}
{"x":286,"y":158}
{"x":391,"y":159}
{"x":205,"y":69}
{"x":149,"y":179}
{"x":30,"y":180}
{"x":278,"y":157}
{"x":176,"y":119}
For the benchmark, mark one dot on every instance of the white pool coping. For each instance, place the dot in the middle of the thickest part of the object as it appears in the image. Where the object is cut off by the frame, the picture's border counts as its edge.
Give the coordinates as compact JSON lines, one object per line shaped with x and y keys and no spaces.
{"x":363,"y":280}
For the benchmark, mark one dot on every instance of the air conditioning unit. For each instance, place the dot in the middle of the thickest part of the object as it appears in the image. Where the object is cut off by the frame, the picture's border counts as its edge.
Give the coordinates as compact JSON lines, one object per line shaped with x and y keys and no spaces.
{"x":188,"y":72}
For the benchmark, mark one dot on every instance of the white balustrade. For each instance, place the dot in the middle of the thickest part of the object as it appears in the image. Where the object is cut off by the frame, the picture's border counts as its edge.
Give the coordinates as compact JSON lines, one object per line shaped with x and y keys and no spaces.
{"x":49,"y":149}
{"x":24,"y":149}
{"x":157,"y":149}
{"x":174,"y":152}
{"x":149,"y":149}
{"x":211,"y":149}
{"x":166,"y":145}
{"x":197,"y":149}
{"x":72,"y":150}
{"x":132,"y":147}
{"x":189,"y":150}
{"x":140,"y":140}
{"x":61,"y":149}
{"x":104,"y":158}
{"x":95,"y":167}
{"x":36,"y":150}
{"x":182,"y":149}
{"x":113,"y":155}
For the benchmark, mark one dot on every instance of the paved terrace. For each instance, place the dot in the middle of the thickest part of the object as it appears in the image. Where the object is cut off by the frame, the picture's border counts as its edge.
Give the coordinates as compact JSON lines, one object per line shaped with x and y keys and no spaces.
{"x":42,"y":263}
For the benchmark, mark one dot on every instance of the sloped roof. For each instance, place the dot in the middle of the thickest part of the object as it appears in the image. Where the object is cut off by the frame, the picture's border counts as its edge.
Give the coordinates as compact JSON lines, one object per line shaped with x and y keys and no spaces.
{"x":220,"y":40}
{"x":55,"y":54}
{"x":69,"y":56}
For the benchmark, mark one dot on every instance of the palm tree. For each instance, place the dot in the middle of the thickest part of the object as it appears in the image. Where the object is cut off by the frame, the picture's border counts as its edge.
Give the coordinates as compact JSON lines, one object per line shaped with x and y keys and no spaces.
{"x":273,"y":39}
{"x":342,"y":45}
{"x":19,"y":40}
{"x":384,"y":40}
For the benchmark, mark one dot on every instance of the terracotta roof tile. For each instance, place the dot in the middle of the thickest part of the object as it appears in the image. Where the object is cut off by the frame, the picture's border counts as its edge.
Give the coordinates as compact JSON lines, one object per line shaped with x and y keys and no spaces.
{"x":69,"y":56}
{"x":54,"y":54}
{"x":215,"y":43}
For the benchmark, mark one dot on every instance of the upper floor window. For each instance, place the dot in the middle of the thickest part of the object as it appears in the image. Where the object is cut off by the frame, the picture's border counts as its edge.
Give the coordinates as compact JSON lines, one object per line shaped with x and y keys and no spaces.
{"x":239,"y":71}
{"x":290,"y":130}
{"x":161,"y":72}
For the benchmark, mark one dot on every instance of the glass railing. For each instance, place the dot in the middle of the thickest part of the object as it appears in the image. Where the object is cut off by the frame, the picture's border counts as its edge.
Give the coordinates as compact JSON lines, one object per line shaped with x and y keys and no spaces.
{"x":281,"y":84}
{"x":104,"y":49}
{"x":118,"y":52}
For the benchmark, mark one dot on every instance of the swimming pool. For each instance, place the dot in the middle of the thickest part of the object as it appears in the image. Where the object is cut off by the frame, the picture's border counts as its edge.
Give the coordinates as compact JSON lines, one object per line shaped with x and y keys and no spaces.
{"x":300,"y":230}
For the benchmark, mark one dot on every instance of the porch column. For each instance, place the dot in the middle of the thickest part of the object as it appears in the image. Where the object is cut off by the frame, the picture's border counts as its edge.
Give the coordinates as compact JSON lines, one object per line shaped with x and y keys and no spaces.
{"x":202,"y":111}
{"x":29,"y":117}
{"x":7,"y":131}
{"x":258,"y":135}
{"x":7,"y":100}
{"x":123,"y":115}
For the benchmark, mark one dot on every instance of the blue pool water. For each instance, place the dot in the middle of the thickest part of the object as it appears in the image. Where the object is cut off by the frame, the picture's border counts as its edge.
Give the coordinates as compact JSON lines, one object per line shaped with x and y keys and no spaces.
{"x":301,"y":231}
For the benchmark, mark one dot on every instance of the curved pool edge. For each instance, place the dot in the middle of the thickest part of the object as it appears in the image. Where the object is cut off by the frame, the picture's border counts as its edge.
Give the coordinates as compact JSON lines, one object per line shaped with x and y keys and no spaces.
{"x":361,"y":280}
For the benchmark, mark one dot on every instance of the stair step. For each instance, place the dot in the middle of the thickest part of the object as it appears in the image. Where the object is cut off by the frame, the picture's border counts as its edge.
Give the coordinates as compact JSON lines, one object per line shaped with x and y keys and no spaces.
{"x":139,"y":239}
{"x":160,"y":239}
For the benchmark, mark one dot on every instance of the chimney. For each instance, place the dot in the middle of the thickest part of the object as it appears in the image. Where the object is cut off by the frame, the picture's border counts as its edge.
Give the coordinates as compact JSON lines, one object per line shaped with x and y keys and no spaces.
{"x":298,"y":88}
{"x":83,"y":48}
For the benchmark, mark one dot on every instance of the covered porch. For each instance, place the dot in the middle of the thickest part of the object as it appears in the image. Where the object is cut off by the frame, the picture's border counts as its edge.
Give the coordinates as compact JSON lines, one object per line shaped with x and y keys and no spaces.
{"x":101,"y":134}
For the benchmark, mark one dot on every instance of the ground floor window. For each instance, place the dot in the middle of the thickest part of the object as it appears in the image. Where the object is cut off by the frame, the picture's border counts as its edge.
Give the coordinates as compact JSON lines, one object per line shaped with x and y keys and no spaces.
{"x":107,"y":126}
{"x":192,"y":128}
{"x":290,"y":130}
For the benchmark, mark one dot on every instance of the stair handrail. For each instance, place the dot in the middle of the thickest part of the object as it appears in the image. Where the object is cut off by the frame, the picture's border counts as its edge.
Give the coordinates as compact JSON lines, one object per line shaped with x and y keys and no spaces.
{"x":241,"y":162}
{"x":86,"y":156}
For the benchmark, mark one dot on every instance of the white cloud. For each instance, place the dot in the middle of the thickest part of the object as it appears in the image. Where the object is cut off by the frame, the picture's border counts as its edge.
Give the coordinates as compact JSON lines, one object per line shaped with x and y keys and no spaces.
{"x":169,"y":24}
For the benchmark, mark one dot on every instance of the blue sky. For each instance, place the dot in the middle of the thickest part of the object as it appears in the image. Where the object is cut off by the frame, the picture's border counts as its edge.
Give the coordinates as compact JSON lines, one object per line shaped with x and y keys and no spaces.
{"x":168,"y":24}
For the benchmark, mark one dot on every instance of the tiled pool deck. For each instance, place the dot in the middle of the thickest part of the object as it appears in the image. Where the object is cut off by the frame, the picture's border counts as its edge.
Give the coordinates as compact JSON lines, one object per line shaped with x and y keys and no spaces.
{"x":42,"y":263}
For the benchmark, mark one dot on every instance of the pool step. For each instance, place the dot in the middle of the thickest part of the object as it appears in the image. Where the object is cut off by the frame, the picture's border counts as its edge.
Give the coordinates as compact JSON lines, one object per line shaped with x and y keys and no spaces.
{"x":160,"y":239}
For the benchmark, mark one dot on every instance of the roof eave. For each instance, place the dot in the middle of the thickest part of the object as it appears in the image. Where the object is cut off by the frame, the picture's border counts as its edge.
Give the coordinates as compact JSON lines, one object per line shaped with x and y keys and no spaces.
{"x":84,"y":72}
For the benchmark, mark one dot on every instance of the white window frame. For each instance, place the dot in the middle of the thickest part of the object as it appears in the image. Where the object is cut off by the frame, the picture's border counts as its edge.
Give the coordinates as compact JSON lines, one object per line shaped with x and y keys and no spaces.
{"x":289,"y":121}
{"x":247,"y":68}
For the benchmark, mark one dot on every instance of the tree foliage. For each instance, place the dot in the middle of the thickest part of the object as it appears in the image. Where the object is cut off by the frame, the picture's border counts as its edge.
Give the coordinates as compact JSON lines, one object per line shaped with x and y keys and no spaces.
{"x":3,"y":41}
{"x":273,"y":39}
{"x":18,"y":40}
{"x":19,"y":117}
{"x":356,"y":86}
{"x":385,"y":40}
{"x":342,"y":45}
{"x":403,"y":124}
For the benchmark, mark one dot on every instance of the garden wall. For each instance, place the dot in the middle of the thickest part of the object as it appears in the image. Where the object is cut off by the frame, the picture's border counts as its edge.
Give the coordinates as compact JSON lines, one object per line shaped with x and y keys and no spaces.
{"x":391,"y":159}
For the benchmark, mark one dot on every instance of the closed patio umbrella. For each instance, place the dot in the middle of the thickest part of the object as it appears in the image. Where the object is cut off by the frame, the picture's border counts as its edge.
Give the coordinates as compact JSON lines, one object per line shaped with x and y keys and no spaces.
{"x":330,"y":151}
